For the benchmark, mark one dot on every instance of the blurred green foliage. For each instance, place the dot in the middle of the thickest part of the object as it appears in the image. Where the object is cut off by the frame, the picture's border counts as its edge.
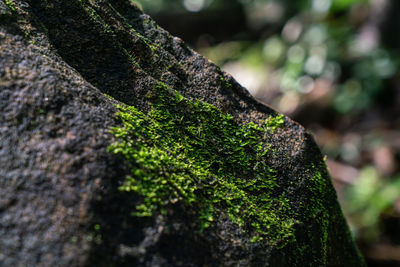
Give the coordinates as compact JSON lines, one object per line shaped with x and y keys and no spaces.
{"x":369,"y":199}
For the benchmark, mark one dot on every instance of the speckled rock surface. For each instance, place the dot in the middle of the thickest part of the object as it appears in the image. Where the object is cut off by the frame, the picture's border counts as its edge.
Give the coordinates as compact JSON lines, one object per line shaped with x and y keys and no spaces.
{"x":64,"y":65}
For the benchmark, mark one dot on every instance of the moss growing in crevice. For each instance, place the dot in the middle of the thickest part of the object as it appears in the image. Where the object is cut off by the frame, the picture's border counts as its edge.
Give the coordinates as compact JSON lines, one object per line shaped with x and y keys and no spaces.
{"x":318,"y":190}
{"x":96,"y":18}
{"x":193,"y":153}
{"x":224,"y":82}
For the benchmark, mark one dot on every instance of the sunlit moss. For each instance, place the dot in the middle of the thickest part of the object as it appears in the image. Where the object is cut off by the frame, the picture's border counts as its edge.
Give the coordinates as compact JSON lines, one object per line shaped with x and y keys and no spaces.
{"x":10,"y":4}
{"x":193,"y":153}
{"x":274,"y":122}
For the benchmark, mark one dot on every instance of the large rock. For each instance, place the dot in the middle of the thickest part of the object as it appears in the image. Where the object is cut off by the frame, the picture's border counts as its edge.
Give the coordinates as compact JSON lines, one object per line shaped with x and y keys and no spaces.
{"x":119,"y":145}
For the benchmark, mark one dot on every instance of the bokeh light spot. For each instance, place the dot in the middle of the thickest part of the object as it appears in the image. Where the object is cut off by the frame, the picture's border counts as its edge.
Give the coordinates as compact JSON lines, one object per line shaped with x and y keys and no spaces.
{"x":194,"y":5}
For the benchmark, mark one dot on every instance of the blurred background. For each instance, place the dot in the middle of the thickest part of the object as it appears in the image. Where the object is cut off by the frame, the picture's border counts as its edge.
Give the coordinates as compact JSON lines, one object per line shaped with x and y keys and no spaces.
{"x":333,"y":66}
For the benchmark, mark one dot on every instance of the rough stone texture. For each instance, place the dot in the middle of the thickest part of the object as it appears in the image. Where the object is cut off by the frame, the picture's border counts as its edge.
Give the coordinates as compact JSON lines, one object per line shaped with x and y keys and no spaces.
{"x":58,"y":59}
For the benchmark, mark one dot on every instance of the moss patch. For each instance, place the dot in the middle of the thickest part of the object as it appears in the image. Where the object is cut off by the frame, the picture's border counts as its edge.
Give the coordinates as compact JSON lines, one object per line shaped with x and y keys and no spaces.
{"x":191,"y":152}
{"x":10,"y":4}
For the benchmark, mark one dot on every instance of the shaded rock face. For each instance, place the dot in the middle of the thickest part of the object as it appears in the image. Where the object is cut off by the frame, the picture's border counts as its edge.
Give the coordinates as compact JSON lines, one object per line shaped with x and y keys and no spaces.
{"x":66,"y":69}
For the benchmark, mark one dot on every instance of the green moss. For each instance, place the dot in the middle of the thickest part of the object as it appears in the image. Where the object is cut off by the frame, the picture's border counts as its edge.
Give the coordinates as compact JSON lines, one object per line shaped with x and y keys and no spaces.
{"x":11,"y":5}
{"x":95,"y":17}
{"x":318,"y":191}
{"x":224,"y":82}
{"x":319,"y":186}
{"x":107,"y":29}
{"x":274,"y":122}
{"x":190,"y":152}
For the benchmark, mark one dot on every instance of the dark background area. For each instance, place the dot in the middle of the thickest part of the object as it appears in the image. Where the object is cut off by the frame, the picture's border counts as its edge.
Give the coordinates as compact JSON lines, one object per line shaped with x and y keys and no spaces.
{"x":333,"y":66}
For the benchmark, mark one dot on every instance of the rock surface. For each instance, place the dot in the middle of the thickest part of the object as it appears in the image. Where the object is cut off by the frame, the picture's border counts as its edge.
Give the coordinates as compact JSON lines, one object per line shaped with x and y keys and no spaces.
{"x":66,"y":69}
